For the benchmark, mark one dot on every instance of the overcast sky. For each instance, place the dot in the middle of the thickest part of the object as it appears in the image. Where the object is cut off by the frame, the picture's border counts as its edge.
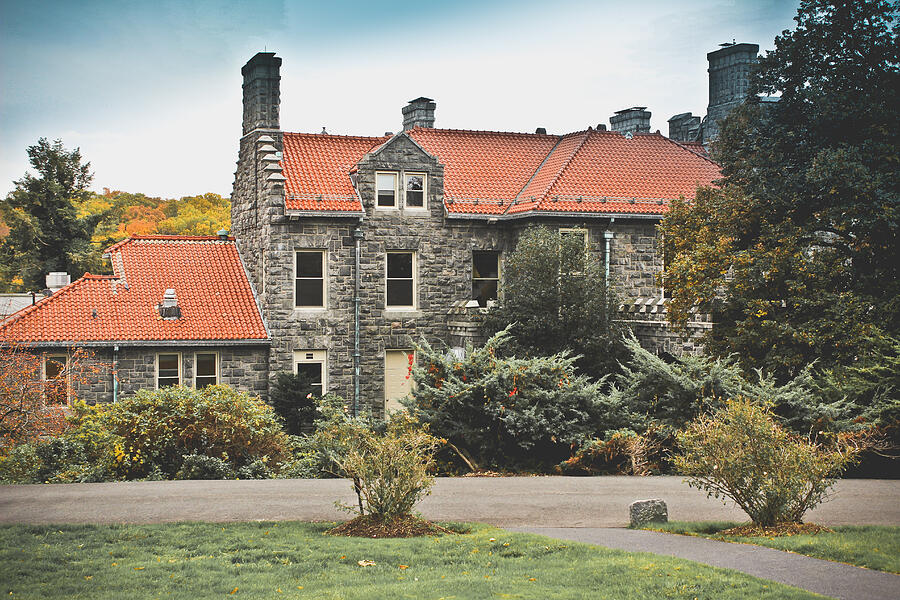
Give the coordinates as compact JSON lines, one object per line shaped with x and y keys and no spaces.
{"x":151,"y":90}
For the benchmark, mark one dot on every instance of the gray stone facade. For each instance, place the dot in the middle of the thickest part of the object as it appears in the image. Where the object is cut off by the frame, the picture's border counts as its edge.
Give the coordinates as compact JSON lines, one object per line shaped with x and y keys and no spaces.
{"x":269,"y":236}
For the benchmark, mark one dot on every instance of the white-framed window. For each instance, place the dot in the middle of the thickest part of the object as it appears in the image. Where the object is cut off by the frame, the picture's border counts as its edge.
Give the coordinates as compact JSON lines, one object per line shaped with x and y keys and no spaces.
{"x":56,"y":384}
{"x":400,"y":280}
{"x":206,"y":369}
{"x":309,"y":279}
{"x":485,"y":275}
{"x":314,"y":365}
{"x":397,"y":377}
{"x":386,"y":190}
{"x":415,"y":190}
{"x":168,"y":369}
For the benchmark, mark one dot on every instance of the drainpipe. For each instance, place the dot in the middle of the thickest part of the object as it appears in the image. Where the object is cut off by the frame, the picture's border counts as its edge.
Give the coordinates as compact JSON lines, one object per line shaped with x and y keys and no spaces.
{"x":115,"y":373}
{"x":607,"y":237}
{"x":357,"y":237}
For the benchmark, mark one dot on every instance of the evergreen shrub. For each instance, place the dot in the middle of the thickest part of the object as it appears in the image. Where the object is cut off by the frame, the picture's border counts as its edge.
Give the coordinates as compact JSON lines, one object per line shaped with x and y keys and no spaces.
{"x":505,"y":413}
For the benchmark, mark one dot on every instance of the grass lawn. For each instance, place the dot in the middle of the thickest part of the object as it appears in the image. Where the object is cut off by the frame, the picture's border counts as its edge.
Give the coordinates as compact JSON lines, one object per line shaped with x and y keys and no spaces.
{"x":870,"y":546}
{"x":295,"y":560}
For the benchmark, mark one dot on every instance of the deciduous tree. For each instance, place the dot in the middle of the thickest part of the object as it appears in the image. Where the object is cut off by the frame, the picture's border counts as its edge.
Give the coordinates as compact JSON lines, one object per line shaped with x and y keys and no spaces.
{"x":800,"y":242}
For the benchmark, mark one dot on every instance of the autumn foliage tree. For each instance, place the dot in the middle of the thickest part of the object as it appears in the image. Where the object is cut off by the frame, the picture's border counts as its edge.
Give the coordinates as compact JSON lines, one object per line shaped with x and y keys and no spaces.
{"x":32,"y":401}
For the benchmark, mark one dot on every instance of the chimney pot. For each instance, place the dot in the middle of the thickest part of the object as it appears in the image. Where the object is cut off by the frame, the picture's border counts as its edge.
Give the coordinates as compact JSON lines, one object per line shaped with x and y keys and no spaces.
{"x":541,"y":130}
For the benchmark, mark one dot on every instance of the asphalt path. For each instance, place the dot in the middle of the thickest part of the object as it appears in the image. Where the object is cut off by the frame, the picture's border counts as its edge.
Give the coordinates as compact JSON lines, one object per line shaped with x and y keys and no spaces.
{"x":836,"y":580}
{"x":593,"y":510}
{"x":500,"y":501}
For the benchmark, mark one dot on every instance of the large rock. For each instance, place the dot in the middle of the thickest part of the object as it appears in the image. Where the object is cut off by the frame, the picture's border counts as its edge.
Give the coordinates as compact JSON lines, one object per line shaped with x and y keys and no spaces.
{"x":648,"y":511}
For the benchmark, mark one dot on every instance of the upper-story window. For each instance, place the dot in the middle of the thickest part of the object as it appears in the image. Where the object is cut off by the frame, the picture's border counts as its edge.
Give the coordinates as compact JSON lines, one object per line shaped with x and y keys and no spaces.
{"x":485,"y":275}
{"x":401,"y":281}
{"x":414,"y":185}
{"x":309,"y":289}
{"x":396,"y":190}
{"x":386,"y":190}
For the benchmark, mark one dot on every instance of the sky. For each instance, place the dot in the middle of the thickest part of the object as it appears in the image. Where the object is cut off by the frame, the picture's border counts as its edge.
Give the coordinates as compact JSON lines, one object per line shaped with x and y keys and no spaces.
{"x":151,"y":91}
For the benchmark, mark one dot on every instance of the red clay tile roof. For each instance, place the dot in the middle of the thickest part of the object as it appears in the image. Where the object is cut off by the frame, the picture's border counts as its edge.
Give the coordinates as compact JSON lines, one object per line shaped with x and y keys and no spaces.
{"x":206,"y":273}
{"x":495,"y":173}
{"x":484,"y":170}
{"x":317,"y":167}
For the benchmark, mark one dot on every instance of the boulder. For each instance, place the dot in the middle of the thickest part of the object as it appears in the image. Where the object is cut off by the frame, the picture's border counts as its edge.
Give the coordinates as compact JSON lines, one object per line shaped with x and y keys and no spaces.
{"x":648,"y":511}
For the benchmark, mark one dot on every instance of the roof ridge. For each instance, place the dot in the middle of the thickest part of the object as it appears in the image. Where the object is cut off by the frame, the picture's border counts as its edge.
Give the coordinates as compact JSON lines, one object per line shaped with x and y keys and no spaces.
{"x":165,"y":237}
{"x":536,"y":171}
{"x":562,"y":169}
{"x":65,"y":290}
{"x":336,"y":135}
{"x":487,"y":131}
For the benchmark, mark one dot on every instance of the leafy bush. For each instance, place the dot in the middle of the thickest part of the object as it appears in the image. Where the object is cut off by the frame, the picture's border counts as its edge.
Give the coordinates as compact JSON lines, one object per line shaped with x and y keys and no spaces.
{"x":174,"y":432}
{"x":201,"y":466}
{"x":505,"y":413}
{"x":293,"y":398}
{"x":389,"y":462}
{"x":159,"y":427}
{"x":741,"y":453}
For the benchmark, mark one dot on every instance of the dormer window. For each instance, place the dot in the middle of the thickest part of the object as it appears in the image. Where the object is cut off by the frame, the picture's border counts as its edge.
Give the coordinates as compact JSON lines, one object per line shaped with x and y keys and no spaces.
{"x":414,"y":187}
{"x":386,"y":190}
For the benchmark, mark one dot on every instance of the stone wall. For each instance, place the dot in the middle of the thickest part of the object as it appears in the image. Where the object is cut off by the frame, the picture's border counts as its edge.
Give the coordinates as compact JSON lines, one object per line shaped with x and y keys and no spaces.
{"x":244,"y":368}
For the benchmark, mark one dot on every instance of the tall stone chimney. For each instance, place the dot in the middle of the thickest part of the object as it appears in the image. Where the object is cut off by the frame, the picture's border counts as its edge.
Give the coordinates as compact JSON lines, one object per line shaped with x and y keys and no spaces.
{"x":631,"y":120}
{"x":729,"y":82}
{"x":419,"y":113}
{"x":262,"y":92}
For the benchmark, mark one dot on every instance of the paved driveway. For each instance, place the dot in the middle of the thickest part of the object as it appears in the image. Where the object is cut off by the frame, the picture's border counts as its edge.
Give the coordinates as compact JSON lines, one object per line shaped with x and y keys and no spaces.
{"x":501,"y":501}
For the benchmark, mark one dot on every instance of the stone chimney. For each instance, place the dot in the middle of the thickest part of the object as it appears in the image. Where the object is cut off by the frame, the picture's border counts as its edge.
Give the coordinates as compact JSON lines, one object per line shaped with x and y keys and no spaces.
{"x":684,"y":127}
{"x":262,"y":92}
{"x":419,"y":113}
{"x":631,"y":120}
{"x":57,"y":280}
{"x":168,"y":308}
{"x":729,"y":82}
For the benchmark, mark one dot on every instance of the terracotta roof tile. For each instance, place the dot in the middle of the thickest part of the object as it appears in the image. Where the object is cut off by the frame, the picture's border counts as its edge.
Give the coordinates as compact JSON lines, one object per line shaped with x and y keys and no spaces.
{"x":317,"y":167}
{"x":210,"y":284}
{"x":487,"y":172}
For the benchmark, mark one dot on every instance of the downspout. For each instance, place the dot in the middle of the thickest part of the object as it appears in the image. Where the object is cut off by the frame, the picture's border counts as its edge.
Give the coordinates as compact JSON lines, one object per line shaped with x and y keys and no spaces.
{"x":357,"y":237}
{"x":115,"y":373}
{"x":607,"y":237}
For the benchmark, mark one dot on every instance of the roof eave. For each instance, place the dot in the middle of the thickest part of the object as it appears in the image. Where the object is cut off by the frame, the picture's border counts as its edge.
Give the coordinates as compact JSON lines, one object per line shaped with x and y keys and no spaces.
{"x":138,"y":343}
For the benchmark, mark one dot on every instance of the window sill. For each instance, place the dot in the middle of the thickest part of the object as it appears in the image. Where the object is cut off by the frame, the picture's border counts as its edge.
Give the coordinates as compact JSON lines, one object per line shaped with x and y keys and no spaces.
{"x":403,"y":312}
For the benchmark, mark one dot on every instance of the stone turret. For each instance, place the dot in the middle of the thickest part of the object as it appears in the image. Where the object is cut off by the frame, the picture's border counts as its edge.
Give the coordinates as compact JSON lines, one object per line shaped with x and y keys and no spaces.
{"x":418,"y":113}
{"x":729,"y":82}
{"x":262,"y":92}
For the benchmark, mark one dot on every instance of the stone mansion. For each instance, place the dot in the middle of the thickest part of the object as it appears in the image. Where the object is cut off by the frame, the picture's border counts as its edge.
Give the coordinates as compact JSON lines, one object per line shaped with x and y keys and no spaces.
{"x":346,"y":250}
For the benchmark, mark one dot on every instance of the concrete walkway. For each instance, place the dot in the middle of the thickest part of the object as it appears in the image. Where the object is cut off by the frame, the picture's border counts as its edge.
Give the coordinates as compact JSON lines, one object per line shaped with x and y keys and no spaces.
{"x":824,"y":577}
{"x":586,"y":509}
{"x":500,"y":501}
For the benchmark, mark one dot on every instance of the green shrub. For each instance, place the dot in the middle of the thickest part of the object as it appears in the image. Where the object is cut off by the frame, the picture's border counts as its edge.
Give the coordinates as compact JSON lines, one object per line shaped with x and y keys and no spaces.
{"x":200,"y":466}
{"x":157,"y":428}
{"x":293,"y":398}
{"x":741,"y":453}
{"x":391,"y":470}
{"x":505,"y":413}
